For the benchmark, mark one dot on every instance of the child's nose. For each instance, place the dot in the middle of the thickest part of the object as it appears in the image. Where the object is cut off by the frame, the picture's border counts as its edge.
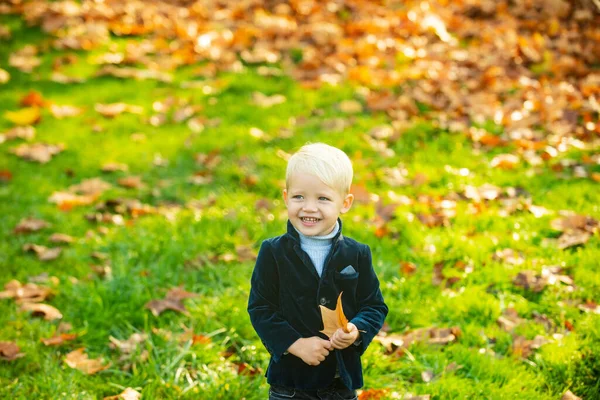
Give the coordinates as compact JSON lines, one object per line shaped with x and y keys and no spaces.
{"x":310,"y":206}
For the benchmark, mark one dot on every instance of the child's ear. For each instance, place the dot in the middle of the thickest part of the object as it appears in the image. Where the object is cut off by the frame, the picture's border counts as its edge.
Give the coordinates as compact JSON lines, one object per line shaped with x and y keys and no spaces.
{"x":285,"y":196}
{"x":348,"y":200}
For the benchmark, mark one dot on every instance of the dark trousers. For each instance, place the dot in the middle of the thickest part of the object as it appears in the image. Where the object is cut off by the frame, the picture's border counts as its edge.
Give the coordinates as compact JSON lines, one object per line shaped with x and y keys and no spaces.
{"x":337,"y":391}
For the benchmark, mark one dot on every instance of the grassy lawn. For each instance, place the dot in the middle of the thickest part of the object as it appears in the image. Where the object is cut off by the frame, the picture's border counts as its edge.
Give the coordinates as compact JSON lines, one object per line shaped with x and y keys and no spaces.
{"x":209,"y":191}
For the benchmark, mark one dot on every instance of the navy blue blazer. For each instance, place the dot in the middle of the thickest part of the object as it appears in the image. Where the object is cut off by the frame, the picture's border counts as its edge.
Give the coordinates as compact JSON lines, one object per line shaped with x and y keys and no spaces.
{"x":284,"y":300}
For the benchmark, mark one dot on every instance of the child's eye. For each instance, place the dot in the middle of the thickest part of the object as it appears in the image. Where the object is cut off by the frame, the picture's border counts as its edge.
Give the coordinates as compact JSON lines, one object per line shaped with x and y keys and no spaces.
{"x":323,"y":198}
{"x":298,"y":196}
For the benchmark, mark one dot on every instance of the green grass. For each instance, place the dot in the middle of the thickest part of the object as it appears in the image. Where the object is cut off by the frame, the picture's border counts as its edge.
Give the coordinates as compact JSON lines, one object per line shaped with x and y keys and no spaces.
{"x":151,"y":254}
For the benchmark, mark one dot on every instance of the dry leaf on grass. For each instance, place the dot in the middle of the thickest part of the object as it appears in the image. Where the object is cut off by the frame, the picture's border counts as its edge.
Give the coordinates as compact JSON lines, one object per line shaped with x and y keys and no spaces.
{"x":128,"y":394}
{"x":570,"y":396}
{"x":38,"y":152}
{"x":43,"y":253}
{"x":30,"y":292}
{"x":61,"y":238}
{"x":130,"y":345}
{"x":43,"y":310}
{"x":79,"y":360}
{"x":19,"y":132}
{"x":59,"y":339}
{"x":333,"y":319}
{"x":28,"y":225}
{"x":64,"y":111}
{"x":9,"y":351}
{"x":172,"y":301}
{"x":114,"y":109}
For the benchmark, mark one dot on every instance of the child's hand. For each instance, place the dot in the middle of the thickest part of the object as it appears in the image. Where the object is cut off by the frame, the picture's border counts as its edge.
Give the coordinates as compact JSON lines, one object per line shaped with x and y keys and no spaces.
{"x":341,"y":340}
{"x":311,"y":350}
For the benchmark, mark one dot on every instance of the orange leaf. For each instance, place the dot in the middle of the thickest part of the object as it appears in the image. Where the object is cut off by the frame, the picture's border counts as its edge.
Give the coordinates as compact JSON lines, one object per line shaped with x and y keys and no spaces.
{"x":79,"y":360}
{"x":334,"y":319}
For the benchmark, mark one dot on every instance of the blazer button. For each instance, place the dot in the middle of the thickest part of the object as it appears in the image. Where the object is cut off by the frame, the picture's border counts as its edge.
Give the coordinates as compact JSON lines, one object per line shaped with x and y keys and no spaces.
{"x":323,"y":301}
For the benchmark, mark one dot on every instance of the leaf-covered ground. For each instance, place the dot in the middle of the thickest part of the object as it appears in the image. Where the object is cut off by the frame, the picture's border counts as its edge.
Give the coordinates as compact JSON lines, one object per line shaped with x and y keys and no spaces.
{"x":143,"y":147}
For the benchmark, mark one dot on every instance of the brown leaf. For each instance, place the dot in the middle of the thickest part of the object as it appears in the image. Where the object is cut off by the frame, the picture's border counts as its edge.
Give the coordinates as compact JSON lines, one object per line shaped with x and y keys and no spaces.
{"x":131,"y":182}
{"x":573,"y":238}
{"x":4,"y":76}
{"x":427,"y":376}
{"x":64,"y":111}
{"x":265,"y":101}
{"x":9,"y":351}
{"x":79,"y":360}
{"x":43,"y":253}
{"x":61,"y":238}
{"x":505,"y":161}
{"x":38,"y":152}
{"x":159,"y":306}
{"x":60,"y":339}
{"x":350,"y":107}
{"x":30,"y":292}
{"x":91,"y":187}
{"x":130,"y":345}
{"x":529,"y":280}
{"x":114,"y":167}
{"x":42,"y":310}
{"x":28,"y":225}
{"x":67,"y":200}
{"x":333,"y":319}
{"x":114,"y":109}
{"x":127,"y":394}
{"x":570,"y":396}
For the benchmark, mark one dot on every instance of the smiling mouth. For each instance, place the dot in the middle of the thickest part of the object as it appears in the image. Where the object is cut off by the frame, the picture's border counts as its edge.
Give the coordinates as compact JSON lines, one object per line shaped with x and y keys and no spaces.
{"x":309,"y":219}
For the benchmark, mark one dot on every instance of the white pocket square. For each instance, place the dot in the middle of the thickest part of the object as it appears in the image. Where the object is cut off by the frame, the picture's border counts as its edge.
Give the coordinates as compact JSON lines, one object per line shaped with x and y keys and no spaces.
{"x":349,"y":270}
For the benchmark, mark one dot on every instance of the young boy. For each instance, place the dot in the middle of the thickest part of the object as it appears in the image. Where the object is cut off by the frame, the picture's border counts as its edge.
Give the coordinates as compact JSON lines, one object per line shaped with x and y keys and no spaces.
{"x":309,"y":266}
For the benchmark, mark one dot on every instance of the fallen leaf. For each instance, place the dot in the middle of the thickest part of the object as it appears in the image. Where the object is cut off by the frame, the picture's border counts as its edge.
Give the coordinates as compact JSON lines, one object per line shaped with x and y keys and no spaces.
{"x":65,"y":111}
{"x":333,"y":319}
{"x":373,"y":394}
{"x":61,"y":238}
{"x":24,"y":116}
{"x":427,"y":376}
{"x":9,"y":351}
{"x":130,"y":345}
{"x":43,"y":253}
{"x":265,"y":101}
{"x":91,"y":187}
{"x":570,"y":396}
{"x":67,"y":200}
{"x":529,"y":280}
{"x":32,"y":99}
{"x":30,"y":292}
{"x":114,"y":109}
{"x":505,"y":161}
{"x":573,"y":238}
{"x":127,"y":394}
{"x":20,"y":132}
{"x":407,"y":268}
{"x":5,"y":175}
{"x":28,"y":225}
{"x":114,"y":167}
{"x":131,"y":182}
{"x":59,"y":339}
{"x":350,"y":107}
{"x":4,"y":76}
{"x":39,"y":152}
{"x":79,"y":360}
{"x":43,"y":310}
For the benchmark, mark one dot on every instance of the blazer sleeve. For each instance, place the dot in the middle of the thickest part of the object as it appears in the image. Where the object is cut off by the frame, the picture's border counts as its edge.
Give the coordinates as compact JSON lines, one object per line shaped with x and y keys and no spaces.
{"x":275,"y":332}
{"x":371,"y":308}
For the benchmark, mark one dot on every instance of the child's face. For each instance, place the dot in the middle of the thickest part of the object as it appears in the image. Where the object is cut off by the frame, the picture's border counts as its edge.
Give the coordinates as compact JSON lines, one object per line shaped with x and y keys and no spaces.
{"x":313,"y":207}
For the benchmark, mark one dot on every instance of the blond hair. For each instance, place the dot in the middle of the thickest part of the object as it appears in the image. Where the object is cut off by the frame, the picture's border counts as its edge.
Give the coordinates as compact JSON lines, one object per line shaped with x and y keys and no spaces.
{"x":330,"y":164}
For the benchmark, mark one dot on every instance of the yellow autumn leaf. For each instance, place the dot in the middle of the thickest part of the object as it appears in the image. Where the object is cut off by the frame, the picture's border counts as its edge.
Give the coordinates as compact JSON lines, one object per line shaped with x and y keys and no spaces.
{"x":24,"y":116}
{"x":334,"y":319}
